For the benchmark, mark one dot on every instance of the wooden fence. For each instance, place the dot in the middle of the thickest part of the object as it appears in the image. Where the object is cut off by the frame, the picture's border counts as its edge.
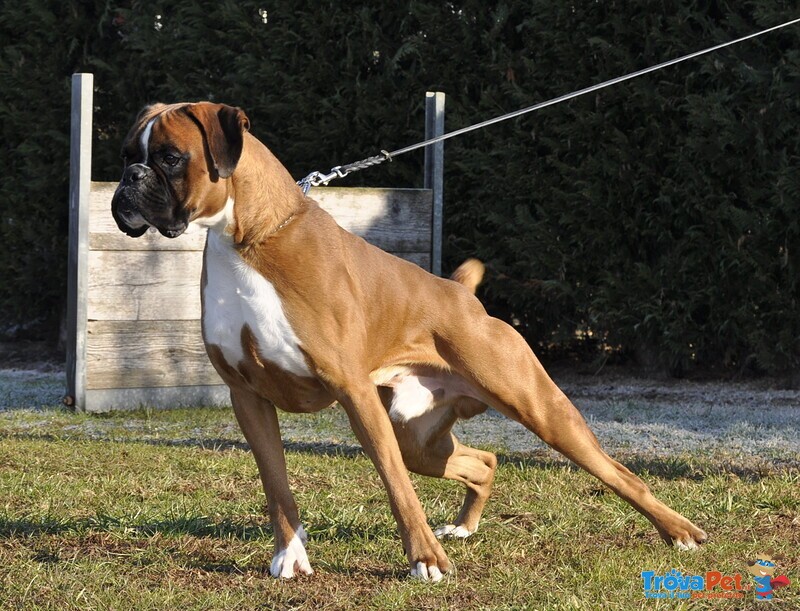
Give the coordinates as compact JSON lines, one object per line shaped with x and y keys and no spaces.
{"x":134,"y":304}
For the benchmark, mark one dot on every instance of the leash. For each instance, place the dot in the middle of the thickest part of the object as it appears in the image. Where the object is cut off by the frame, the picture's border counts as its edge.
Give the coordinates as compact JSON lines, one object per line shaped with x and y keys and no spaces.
{"x":315,"y":179}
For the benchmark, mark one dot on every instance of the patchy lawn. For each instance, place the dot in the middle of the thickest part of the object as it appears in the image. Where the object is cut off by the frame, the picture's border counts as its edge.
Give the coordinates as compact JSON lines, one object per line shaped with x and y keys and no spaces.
{"x":164,"y":510}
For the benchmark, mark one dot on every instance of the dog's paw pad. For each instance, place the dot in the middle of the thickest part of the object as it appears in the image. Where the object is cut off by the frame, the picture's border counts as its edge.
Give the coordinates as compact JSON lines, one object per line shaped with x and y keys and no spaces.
{"x":452,"y":531}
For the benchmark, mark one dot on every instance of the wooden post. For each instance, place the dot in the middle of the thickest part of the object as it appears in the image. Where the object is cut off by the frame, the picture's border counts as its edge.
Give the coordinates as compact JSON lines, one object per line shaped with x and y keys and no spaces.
{"x":80,"y":175}
{"x":434,"y":173}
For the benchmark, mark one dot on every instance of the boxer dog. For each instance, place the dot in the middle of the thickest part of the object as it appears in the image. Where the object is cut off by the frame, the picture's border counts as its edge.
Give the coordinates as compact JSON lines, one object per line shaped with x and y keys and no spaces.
{"x":299,"y":314}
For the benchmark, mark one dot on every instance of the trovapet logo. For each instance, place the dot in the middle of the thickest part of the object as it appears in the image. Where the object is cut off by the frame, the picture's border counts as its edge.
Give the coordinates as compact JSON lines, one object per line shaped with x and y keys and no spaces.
{"x":711,"y":584}
{"x":715,"y":584}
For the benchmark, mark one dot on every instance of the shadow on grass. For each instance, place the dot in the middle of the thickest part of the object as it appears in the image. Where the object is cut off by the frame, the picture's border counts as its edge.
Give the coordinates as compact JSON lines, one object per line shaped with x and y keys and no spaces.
{"x":396,"y":574}
{"x":190,"y":525}
{"x":671,"y":468}
{"x":663,"y":468}
{"x":93,"y":534}
{"x":208,"y":443}
{"x":196,"y":526}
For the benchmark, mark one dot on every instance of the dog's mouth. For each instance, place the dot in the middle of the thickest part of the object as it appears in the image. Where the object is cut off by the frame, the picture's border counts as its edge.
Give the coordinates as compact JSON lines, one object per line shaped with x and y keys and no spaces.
{"x":133,"y":220}
{"x":171,"y":232}
{"x":127,"y":215}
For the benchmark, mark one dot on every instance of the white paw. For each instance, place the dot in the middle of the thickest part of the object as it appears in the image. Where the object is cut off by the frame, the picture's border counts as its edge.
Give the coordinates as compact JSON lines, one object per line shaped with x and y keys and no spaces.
{"x":451,"y":530}
{"x":687,"y":545}
{"x":292,"y":560}
{"x":426,"y":573}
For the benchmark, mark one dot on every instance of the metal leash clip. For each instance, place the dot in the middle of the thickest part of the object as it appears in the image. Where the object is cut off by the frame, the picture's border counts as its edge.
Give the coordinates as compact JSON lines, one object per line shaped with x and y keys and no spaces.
{"x":316,"y":179}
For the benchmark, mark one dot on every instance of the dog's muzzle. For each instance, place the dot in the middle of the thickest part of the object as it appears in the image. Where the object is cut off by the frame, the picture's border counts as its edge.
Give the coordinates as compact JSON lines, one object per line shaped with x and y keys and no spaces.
{"x":140,"y":202}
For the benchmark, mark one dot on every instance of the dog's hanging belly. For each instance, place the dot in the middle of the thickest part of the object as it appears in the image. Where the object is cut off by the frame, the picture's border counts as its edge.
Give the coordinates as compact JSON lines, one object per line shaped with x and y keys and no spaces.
{"x":417,"y":390}
{"x":236,"y":295}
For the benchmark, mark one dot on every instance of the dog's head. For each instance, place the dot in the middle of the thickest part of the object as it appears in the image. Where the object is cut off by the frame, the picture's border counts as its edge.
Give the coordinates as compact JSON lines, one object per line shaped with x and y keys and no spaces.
{"x":178,"y":159}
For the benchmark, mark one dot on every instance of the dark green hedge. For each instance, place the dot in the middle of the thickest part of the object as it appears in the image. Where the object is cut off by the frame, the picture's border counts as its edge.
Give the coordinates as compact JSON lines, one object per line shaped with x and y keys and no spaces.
{"x":657,"y":218}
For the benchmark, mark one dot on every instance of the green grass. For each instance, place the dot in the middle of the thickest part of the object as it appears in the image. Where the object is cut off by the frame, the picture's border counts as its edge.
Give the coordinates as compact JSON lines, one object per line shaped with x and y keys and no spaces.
{"x":164,"y":510}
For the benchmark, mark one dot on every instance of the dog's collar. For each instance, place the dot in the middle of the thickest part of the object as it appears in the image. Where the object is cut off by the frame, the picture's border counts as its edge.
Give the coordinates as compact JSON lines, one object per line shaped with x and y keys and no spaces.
{"x":284,"y":223}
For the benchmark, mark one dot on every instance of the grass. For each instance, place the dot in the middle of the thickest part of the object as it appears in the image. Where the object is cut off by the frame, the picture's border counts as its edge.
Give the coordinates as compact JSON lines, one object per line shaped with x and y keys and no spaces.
{"x":164,"y":510}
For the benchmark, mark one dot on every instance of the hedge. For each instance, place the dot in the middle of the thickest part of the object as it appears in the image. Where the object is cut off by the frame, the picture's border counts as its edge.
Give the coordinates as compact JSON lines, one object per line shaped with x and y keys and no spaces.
{"x":656,"y":219}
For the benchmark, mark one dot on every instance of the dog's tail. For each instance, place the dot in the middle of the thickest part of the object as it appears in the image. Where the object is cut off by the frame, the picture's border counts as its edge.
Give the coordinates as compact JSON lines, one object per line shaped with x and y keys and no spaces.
{"x":469,"y":273}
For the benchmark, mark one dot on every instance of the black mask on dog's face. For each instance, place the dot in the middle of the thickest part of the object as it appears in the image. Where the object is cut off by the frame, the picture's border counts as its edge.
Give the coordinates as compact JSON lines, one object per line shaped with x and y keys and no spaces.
{"x":169,"y":152}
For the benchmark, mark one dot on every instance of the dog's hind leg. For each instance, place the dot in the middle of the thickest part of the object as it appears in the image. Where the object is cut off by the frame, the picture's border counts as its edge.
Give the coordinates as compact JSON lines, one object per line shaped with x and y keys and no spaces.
{"x":449,"y":459}
{"x":497,"y":360}
{"x":430,"y":448}
{"x":475,"y":469}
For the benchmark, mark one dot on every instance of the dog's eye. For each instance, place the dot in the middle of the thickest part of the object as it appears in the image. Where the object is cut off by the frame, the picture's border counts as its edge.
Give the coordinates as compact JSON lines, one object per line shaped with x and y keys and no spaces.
{"x":171,"y":160}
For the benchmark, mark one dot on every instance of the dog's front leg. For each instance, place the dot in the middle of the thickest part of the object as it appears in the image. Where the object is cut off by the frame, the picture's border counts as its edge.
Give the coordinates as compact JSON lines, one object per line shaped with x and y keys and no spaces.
{"x":374,"y":431}
{"x":259,"y":423}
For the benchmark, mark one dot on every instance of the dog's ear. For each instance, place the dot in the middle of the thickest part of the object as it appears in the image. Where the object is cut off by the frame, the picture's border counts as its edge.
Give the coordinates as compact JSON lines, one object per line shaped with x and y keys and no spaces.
{"x":223,"y":127}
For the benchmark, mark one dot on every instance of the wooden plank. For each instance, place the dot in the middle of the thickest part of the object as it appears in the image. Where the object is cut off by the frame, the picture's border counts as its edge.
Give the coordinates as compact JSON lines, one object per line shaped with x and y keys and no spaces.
{"x":130,"y":354}
{"x":144,"y":285}
{"x":153,"y":285}
{"x":396,"y":220}
{"x":79,"y":189}
{"x":107,"y":399}
{"x":193,"y":239}
{"x":434,"y":173}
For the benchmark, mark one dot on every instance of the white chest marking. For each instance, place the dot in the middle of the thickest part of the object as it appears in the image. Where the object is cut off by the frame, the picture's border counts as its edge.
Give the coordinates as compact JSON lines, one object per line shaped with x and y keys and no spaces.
{"x":221,"y":221}
{"x":145,"y":140}
{"x":236,"y":295}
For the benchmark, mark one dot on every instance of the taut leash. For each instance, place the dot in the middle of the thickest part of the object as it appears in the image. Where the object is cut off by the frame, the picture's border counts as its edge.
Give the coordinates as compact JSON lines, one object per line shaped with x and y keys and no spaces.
{"x":316,"y":179}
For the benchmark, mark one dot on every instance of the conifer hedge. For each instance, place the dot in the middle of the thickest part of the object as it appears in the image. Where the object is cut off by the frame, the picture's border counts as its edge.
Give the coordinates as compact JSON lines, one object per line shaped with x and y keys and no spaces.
{"x":655,"y":219}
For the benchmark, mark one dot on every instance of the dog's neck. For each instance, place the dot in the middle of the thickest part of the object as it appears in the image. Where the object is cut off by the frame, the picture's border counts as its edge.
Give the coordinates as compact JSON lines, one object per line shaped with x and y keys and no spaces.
{"x":262,"y":197}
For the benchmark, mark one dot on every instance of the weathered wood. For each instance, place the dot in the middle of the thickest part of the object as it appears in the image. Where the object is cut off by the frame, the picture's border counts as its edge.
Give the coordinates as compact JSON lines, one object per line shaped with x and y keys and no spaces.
{"x":396,"y":220}
{"x":144,"y":285}
{"x":434,"y":173}
{"x":165,"y":397}
{"x":155,"y":285}
{"x":135,"y":354}
{"x":79,"y":189}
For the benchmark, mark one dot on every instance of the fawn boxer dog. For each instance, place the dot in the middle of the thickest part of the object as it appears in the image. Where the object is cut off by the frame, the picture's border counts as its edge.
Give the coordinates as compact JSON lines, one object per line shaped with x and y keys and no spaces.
{"x":299,"y":314}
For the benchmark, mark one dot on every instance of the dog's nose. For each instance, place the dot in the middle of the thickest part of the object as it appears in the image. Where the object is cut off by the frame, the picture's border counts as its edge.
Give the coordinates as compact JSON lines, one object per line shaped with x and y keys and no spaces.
{"x":134,"y":173}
